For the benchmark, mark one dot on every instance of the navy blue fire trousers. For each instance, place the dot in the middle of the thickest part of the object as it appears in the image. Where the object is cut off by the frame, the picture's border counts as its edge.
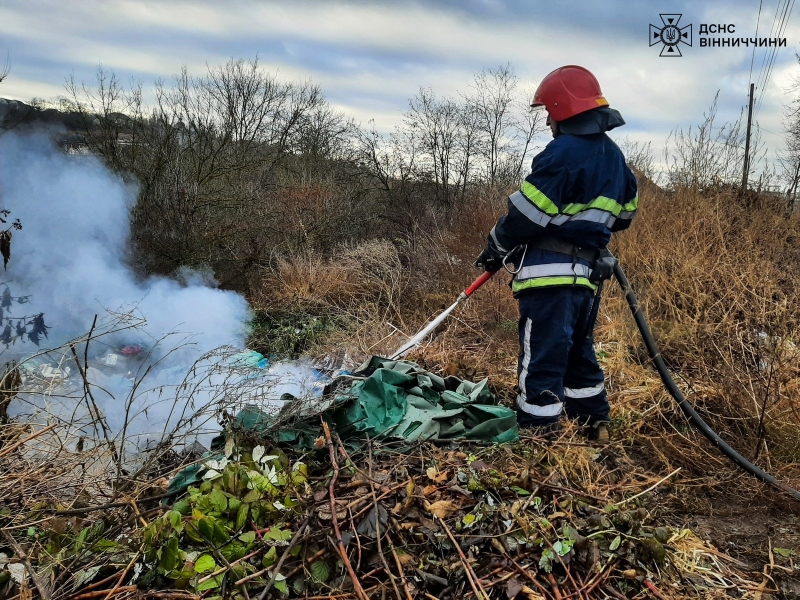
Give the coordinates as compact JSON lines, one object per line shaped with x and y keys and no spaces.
{"x":558,"y":370}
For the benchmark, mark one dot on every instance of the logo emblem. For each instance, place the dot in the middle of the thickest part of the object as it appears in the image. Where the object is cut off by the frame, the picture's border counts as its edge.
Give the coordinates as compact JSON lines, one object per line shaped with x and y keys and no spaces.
{"x":671,"y":35}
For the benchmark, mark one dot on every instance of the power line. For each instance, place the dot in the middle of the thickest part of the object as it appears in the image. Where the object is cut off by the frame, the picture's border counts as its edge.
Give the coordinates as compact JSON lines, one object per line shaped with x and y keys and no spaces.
{"x":758,"y":21}
{"x":781,"y":29}
{"x":762,"y":70}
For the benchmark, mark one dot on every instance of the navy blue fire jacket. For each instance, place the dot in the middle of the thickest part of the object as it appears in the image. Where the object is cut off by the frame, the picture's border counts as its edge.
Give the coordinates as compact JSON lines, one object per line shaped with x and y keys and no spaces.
{"x":580,"y":190}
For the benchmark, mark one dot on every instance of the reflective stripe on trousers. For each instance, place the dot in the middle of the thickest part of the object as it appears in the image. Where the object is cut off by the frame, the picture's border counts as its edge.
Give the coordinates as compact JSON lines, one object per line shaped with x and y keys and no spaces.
{"x":558,"y":370}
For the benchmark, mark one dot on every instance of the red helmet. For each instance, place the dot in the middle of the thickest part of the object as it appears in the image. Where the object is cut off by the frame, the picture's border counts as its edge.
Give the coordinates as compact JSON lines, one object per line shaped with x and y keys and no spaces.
{"x":568,"y":91}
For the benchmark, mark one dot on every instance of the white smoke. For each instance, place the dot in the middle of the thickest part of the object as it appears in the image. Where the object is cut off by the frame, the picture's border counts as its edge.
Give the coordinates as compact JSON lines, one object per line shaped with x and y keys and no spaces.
{"x":70,"y":257}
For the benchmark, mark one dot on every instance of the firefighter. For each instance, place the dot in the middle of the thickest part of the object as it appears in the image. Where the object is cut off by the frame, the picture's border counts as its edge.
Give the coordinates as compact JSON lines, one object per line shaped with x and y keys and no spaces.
{"x":579,"y":191}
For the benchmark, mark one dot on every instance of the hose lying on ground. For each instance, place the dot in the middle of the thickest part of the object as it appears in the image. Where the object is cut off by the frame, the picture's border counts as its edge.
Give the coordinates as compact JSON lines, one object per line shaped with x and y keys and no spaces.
{"x":672,"y":388}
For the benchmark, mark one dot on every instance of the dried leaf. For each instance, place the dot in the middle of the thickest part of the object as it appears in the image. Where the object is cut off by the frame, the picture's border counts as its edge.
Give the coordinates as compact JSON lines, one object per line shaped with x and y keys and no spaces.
{"x":367,"y":526}
{"x":480,"y":465}
{"x":429,"y":490}
{"x":7,"y":334}
{"x":324,"y":512}
{"x":229,"y":446}
{"x":513,"y":587}
{"x":5,"y":246}
{"x":442,"y":508}
{"x":531,"y":594}
{"x":629,"y":574}
{"x":407,"y":560}
{"x":25,"y":592}
{"x":428,"y":524}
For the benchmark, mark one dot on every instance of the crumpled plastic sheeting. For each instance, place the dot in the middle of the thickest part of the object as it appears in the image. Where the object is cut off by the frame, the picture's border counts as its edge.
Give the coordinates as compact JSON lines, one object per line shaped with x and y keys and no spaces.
{"x":390,"y":399}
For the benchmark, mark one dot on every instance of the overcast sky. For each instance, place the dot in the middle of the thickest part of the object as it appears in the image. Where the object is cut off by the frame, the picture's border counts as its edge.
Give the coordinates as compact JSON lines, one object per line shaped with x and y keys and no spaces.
{"x":370,"y":57}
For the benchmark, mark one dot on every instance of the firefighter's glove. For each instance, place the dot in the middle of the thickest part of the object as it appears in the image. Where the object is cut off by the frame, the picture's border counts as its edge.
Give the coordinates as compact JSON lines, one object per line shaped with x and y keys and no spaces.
{"x":490,"y":259}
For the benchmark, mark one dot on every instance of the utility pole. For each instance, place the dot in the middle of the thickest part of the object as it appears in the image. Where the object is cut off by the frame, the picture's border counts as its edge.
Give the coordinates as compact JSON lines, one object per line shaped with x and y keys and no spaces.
{"x":747,"y":141}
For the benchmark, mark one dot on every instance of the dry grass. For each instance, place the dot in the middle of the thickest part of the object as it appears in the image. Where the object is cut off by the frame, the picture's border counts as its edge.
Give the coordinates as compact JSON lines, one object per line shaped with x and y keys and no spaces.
{"x":717,"y":276}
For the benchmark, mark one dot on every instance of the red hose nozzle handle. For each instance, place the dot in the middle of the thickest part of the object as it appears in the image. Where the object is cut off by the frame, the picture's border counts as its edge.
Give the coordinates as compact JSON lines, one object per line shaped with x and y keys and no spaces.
{"x":478,"y":283}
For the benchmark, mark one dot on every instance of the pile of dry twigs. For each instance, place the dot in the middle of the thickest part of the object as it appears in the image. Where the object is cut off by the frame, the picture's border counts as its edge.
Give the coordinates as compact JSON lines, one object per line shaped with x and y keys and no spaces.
{"x":535,"y":519}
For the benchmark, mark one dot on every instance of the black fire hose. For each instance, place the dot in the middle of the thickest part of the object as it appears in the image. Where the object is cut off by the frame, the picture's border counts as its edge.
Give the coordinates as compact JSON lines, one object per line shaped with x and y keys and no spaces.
{"x":672,"y":388}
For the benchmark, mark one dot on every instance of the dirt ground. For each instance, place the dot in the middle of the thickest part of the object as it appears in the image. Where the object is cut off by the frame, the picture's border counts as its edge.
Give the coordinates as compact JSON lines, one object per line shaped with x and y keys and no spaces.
{"x":746,"y":520}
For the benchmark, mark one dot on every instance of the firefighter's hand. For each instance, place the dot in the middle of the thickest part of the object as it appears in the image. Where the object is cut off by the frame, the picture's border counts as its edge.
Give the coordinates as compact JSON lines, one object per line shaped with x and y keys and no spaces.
{"x":490,"y":260}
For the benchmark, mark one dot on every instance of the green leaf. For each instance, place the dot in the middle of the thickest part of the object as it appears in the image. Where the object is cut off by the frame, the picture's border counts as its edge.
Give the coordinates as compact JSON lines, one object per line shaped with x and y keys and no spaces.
{"x":299,"y":584}
{"x":251,"y":496}
{"x":79,"y":541}
{"x":220,"y":534}
{"x":170,"y":555}
{"x":206,"y":527}
{"x":277,"y":534}
{"x":281,"y":587}
{"x":248,"y":538}
{"x":109,"y":545}
{"x":193,"y":531}
{"x":183,"y":507}
{"x":784,"y":552}
{"x":468,"y":519}
{"x":241,"y":516}
{"x":520,"y":491}
{"x":546,"y":562}
{"x":233,"y":551}
{"x":562,"y":547}
{"x":270,"y":558}
{"x":212,"y":583}
{"x":204,"y":564}
{"x":218,"y":500}
{"x":176,"y":520}
{"x":320,"y":571}
{"x":299,"y":473}
{"x":615,"y":543}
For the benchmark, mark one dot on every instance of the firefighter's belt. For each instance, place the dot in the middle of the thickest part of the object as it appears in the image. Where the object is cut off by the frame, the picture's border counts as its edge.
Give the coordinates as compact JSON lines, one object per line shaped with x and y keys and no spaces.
{"x":554,"y":244}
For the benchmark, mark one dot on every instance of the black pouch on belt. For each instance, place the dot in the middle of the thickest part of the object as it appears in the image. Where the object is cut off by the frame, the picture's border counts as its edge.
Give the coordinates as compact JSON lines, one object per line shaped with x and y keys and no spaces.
{"x":603,"y":267}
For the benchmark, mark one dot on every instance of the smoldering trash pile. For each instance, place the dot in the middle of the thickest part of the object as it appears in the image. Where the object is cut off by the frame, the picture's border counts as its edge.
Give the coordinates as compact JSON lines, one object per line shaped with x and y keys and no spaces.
{"x":391,"y":483}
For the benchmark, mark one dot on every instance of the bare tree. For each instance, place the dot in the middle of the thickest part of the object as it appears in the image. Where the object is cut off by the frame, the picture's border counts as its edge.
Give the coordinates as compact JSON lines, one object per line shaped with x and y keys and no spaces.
{"x":789,"y":157}
{"x":214,"y":158}
{"x":493,"y":100}
{"x":445,"y":153}
{"x":5,"y":69}
{"x":708,"y":156}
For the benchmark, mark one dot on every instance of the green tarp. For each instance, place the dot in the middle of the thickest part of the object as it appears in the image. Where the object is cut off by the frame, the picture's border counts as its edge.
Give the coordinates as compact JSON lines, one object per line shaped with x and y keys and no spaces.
{"x":399,"y":399}
{"x":396,"y":399}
